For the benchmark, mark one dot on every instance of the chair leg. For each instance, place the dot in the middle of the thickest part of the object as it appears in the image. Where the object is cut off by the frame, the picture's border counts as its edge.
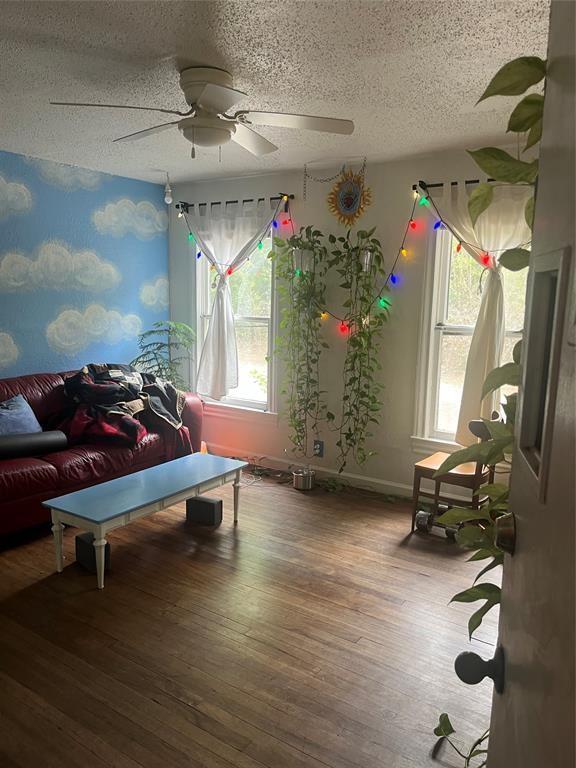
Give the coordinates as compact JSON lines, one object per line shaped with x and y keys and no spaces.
{"x":415,"y":495}
{"x":436,"y":497}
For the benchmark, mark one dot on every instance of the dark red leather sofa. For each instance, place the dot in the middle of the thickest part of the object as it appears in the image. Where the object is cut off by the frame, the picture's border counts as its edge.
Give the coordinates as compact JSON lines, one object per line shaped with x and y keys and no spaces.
{"x":26,"y":482}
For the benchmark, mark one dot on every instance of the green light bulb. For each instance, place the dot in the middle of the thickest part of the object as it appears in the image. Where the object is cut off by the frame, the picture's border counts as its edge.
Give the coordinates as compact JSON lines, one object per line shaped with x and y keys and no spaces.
{"x":298,"y":272}
{"x":424,"y":201}
{"x":383,"y":302}
{"x":260,"y":246}
{"x":190,"y":237}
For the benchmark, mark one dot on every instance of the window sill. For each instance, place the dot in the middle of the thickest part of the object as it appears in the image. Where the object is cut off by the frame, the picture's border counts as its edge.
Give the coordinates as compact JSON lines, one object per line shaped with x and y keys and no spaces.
{"x":233,"y":411}
{"x":428,"y":445}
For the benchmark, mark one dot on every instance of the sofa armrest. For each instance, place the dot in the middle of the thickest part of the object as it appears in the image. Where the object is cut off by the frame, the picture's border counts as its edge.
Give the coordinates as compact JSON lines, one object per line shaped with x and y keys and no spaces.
{"x":192,"y":418}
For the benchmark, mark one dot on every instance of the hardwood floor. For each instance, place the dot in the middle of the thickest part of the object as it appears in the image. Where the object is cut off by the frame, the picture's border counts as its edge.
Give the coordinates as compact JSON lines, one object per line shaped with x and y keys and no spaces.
{"x":315,"y":634}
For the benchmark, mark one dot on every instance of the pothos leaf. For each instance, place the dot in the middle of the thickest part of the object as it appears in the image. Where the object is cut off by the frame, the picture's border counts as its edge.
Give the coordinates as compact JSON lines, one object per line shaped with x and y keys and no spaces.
{"x":515,"y":259}
{"x":526,"y":113}
{"x":509,"y":373}
{"x":501,"y":166}
{"x":479,"y":200}
{"x":444,"y":727}
{"x":534,"y":135}
{"x":515,"y":77}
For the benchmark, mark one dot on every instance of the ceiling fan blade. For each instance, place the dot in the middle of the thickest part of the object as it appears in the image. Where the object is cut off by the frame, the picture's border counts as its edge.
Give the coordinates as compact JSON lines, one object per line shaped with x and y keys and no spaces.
{"x":218,"y":98}
{"x":146,"y":132}
{"x":121,"y":106}
{"x":252,"y":141}
{"x":284,"y":120}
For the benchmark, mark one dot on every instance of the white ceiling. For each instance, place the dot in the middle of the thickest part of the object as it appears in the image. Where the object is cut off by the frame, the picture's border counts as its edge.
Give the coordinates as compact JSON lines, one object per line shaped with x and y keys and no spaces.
{"x":408,"y":72}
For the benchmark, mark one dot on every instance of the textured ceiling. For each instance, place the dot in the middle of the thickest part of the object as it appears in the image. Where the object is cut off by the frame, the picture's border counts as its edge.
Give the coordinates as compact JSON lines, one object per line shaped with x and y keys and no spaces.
{"x":408,"y":72}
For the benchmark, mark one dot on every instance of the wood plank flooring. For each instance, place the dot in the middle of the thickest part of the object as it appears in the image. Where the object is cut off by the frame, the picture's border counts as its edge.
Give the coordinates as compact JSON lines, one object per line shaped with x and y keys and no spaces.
{"x":315,"y":634}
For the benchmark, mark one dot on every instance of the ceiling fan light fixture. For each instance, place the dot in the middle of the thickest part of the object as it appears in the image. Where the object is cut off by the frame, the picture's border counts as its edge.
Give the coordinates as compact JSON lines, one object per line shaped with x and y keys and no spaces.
{"x":206,"y":131}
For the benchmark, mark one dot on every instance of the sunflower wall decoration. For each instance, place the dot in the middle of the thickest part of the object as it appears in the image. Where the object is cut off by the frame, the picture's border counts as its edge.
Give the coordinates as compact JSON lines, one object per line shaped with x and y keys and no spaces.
{"x":349,"y":197}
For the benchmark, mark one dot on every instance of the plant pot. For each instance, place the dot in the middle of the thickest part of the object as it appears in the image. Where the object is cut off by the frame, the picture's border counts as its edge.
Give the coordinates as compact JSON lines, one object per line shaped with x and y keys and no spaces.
{"x":303,"y":479}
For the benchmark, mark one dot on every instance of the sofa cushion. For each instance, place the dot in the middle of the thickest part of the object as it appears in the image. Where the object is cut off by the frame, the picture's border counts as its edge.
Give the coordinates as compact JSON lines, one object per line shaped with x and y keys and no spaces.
{"x":150,"y":450}
{"x":88,"y":464}
{"x":43,"y":391}
{"x":20,"y":478}
{"x":17,"y":418}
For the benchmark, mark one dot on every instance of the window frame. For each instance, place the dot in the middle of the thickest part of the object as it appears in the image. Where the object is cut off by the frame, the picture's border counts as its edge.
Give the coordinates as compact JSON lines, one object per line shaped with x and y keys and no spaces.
{"x":433,"y":328}
{"x":203,"y":310}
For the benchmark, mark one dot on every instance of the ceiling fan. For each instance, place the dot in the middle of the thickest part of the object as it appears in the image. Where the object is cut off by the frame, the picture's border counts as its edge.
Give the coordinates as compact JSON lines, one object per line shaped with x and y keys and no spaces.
{"x":209,"y":93}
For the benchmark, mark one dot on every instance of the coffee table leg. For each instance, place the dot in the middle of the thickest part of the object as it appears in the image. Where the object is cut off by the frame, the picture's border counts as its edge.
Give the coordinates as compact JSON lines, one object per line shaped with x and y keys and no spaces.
{"x":100,"y":551}
{"x":237,"y":496}
{"x":57,"y":529}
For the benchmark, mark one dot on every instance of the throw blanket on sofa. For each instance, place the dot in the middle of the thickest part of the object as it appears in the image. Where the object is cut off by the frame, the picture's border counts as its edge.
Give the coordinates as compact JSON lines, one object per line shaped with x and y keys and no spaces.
{"x":116,"y":403}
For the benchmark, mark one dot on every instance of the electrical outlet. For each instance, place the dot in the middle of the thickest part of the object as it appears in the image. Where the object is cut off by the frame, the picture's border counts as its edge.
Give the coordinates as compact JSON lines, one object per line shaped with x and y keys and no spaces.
{"x":319,"y":448}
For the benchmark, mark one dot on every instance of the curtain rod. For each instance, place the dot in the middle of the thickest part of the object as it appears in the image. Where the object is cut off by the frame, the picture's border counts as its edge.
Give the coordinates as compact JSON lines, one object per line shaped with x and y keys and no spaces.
{"x":182,"y":205}
{"x":436,"y":185}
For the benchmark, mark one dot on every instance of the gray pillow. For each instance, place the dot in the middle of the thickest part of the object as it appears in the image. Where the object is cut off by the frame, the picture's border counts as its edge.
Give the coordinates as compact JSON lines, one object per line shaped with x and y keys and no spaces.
{"x":17,"y":418}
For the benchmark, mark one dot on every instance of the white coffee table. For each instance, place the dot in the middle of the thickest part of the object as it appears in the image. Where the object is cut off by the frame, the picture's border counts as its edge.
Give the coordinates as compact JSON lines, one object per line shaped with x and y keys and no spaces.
{"x":115,"y":503}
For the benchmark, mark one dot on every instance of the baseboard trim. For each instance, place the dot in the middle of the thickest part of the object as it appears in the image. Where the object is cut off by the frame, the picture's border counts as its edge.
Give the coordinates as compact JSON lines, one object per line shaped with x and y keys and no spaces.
{"x":366,"y":482}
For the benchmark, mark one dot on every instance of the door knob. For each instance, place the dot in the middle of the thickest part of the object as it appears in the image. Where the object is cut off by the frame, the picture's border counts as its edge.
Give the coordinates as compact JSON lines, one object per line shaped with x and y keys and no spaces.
{"x":472,"y":668}
{"x":505,"y":533}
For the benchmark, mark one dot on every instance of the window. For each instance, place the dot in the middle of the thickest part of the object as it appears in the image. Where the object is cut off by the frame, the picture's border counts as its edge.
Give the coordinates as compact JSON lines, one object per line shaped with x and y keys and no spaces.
{"x":251,"y":288}
{"x":454,"y":301}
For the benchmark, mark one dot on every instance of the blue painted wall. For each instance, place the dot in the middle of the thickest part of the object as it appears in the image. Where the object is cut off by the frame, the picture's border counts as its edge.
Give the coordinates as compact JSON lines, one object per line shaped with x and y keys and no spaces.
{"x":83,"y":265}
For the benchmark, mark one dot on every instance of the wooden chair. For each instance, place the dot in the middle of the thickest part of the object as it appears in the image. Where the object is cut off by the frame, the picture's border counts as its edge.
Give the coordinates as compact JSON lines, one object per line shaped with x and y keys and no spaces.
{"x":470,"y":475}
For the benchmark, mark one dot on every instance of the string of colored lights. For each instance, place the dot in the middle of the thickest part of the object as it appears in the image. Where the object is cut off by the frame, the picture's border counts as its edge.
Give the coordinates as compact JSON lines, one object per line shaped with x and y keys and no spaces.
{"x":486,"y":258}
{"x":284,"y":200}
{"x":382,"y":301}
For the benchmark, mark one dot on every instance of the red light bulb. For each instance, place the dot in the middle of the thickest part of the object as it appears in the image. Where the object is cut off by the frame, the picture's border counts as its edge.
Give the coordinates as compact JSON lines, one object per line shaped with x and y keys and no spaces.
{"x":486,"y":259}
{"x":458,"y":247}
{"x":412,"y":224}
{"x":286,"y":222}
{"x":229,"y":271}
{"x":343,"y":328}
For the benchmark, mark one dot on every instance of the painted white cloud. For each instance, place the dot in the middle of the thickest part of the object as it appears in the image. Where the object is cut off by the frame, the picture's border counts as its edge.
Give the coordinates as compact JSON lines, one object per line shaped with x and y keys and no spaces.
{"x":57,"y":266}
{"x":74,"y":330}
{"x":14,"y":197}
{"x":9,"y":352}
{"x":127,"y":217}
{"x":155,"y":295}
{"x":68,"y":177}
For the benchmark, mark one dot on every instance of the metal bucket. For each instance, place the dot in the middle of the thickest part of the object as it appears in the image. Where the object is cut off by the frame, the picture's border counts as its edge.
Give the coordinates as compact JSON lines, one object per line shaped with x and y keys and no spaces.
{"x":303,"y":479}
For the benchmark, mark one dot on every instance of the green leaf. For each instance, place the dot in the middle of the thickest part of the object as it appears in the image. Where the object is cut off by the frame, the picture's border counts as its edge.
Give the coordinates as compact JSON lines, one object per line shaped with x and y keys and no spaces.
{"x":444,"y":727}
{"x":483,"y":554}
{"x":528,"y":112}
{"x":509,"y":408}
{"x":517,"y":352}
{"x":498,"y":429}
{"x":534,"y":135}
{"x":515,"y":77}
{"x":496,"y":561}
{"x":514,"y":259}
{"x":475,"y":452}
{"x":479,"y":200}
{"x":473,"y":537}
{"x":456,"y":516}
{"x":476,"y":619}
{"x":494,"y":490}
{"x":501,"y":166}
{"x":484,"y":591}
{"x":529,"y":212}
{"x":509,"y":373}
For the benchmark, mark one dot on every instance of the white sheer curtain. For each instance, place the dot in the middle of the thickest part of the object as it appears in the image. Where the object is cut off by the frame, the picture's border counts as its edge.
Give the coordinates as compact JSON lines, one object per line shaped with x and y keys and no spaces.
{"x":226,"y":235}
{"x":500,"y":227}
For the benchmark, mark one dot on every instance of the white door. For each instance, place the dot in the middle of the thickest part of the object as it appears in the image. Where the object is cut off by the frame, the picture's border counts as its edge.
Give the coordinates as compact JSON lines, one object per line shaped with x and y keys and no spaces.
{"x":533,"y":720}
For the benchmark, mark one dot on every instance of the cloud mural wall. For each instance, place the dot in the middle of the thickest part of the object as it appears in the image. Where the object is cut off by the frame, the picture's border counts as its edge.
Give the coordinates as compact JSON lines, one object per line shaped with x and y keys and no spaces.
{"x":83,"y":265}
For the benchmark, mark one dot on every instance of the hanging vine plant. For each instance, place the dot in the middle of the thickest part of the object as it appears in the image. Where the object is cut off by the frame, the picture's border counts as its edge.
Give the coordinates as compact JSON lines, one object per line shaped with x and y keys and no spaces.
{"x":301,"y":264}
{"x":359,"y":262}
